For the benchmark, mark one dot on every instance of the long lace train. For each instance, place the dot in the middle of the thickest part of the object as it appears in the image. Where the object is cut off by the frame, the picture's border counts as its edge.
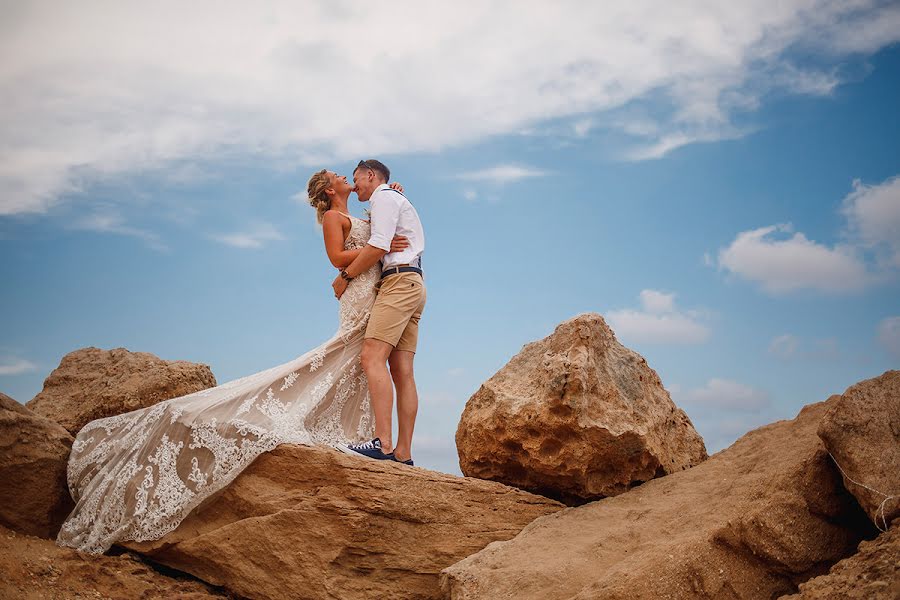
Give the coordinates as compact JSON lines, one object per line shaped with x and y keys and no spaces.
{"x":137,"y":475}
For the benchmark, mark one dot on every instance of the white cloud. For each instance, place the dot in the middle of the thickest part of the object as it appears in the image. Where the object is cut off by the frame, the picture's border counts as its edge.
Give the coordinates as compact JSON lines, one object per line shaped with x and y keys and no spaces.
{"x":873,"y":216}
{"x":112,"y":222}
{"x":868,"y":254}
{"x":791,"y":347}
{"x":658,"y":322}
{"x":657,"y":302}
{"x":786,"y":265}
{"x":784,"y":346}
{"x":16,"y":366}
{"x":889,"y":335}
{"x":727,"y":395}
{"x":255,"y":237}
{"x":723,"y":409}
{"x":96,"y":89}
{"x":470,"y":195}
{"x":582,"y":127}
{"x":501,"y":174}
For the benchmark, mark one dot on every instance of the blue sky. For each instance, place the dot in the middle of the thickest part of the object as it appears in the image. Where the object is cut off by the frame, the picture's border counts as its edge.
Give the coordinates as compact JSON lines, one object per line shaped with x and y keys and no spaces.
{"x":721,"y":185}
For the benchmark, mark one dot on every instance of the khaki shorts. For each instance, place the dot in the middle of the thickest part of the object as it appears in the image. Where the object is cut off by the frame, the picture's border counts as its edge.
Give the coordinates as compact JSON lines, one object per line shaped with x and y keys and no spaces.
{"x":398,"y":307}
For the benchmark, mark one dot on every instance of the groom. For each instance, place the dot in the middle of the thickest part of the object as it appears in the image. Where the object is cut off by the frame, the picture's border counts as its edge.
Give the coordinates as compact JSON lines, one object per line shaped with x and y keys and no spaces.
{"x":393,"y":327}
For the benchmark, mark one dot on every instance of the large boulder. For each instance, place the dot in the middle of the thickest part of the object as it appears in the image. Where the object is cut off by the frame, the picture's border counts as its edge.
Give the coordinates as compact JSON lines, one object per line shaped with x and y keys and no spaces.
{"x":311,"y":522}
{"x":575,"y":416}
{"x":36,"y":569}
{"x":34,"y":451}
{"x":861,"y":430}
{"x":753,"y":521}
{"x":873,"y":573}
{"x":91,"y":383}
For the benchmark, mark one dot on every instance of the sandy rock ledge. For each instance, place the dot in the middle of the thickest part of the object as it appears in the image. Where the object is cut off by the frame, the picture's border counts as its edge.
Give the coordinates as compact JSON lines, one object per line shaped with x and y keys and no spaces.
{"x":311,"y":522}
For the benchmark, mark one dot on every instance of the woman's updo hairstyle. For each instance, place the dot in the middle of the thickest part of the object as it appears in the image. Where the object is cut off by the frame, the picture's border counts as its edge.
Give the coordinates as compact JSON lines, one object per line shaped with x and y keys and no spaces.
{"x":315,"y":189}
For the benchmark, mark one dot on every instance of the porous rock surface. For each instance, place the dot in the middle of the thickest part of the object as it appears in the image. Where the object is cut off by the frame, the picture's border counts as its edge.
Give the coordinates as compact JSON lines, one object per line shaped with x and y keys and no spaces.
{"x":38,"y":569}
{"x":575,"y":416}
{"x":861,"y":430}
{"x":91,"y":383}
{"x":753,"y":521}
{"x":873,"y":573}
{"x":34,"y":452}
{"x":311,"y":522}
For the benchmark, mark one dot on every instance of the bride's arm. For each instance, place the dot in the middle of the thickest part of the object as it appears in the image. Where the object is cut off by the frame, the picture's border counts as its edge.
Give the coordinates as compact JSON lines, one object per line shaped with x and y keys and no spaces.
{"x":334,"y":241}
{"x":333,"y":231}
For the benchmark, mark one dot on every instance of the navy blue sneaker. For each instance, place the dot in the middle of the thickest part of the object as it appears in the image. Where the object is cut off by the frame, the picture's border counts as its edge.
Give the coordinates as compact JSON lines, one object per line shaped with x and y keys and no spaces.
{"x":370,"y":449}
{"x":408,"y":461}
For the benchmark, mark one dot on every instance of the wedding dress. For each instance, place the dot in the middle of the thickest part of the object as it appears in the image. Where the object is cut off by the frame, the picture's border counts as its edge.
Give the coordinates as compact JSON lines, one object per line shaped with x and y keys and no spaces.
{"x":137,"y":475}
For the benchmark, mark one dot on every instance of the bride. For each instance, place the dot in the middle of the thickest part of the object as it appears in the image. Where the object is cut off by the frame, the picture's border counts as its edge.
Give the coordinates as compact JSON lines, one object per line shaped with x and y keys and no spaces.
{"x":137,"y":475}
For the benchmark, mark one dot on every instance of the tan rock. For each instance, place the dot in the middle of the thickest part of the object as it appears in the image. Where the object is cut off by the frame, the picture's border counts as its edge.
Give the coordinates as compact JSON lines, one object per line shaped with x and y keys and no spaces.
{"x":751,"y":522}
{"x":34,"y":451}
{"x":311,"y":522}
{"x":91,"y":383}
{"x":873,"y":573}
{"x":575,"y":416}
{"x":36,"y":569}
{"x":861,"y":430}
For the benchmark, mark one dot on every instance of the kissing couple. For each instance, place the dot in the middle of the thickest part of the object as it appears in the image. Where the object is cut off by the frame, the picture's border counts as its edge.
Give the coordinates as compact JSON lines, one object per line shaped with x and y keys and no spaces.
{"x":137,"y":475}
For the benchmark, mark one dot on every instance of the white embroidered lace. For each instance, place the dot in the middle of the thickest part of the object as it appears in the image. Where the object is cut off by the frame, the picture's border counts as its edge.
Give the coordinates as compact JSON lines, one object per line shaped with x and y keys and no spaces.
{"x":136,"y":476}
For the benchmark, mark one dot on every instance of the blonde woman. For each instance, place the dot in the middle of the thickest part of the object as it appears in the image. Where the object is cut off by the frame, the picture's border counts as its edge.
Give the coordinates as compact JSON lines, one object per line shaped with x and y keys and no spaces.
{"x":137,"y":475}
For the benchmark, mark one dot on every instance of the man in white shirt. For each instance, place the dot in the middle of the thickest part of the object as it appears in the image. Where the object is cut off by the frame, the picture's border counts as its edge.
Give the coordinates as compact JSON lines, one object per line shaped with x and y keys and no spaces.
{"x":392,"y":332}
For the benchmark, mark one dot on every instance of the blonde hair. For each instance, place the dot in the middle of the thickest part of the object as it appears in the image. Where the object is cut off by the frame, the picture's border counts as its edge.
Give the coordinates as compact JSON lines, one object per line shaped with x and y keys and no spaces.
{"x":315,"y":189}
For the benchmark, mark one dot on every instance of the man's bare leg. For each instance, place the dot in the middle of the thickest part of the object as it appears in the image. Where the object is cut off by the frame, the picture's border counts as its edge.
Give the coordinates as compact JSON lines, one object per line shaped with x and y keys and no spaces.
{"x":374,"y":359}
{"x":401,"y":362}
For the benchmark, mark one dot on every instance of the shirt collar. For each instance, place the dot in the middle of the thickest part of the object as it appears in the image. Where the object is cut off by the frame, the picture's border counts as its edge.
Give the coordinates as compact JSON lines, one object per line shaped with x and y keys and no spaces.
{"x":381,"y":186}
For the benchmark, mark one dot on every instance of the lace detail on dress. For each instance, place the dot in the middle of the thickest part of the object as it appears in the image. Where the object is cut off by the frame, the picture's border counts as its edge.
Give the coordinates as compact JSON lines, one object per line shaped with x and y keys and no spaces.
{"x":137,"y":475}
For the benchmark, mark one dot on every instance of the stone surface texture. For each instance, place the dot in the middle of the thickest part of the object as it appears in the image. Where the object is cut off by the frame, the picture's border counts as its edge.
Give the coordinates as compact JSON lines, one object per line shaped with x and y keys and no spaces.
{"x":34,"y":451}
{"x":91,"y":383}
{"x":753,"y":521}
{"x":38,"y":569}
{"x":575,"y":416}
{"x":311,"y":522}
{"x":861,"y":430}
{"x":873,"y":573}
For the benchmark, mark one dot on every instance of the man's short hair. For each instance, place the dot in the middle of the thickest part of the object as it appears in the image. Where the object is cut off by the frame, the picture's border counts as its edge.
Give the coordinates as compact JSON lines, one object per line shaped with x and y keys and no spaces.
{"x":377,"y":166}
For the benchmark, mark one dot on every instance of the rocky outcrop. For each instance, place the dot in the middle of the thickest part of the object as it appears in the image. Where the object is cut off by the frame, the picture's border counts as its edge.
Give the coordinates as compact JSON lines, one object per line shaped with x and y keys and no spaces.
{"x":575,"y":416}
{"x":34,"y":451}
{"x":91,"y":383}
{"x":753,"y":521}
{"x":861,"y":430}
{"x":36,"y":569}
{"x":311,"y":522}
{"x":873,"y":573}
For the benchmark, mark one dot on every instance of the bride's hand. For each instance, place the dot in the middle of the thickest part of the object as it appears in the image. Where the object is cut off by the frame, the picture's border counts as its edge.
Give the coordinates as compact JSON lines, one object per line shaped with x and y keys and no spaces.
{"x":399,"y":243}
{"x":396,"y":186}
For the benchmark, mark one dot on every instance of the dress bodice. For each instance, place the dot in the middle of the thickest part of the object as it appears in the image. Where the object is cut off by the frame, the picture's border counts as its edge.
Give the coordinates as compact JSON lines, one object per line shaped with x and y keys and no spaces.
{"x":360,"y":231}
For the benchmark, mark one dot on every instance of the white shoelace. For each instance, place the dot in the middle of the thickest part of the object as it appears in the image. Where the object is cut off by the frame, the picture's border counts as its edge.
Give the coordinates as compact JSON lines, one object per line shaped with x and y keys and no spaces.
{"x":370,"y":445}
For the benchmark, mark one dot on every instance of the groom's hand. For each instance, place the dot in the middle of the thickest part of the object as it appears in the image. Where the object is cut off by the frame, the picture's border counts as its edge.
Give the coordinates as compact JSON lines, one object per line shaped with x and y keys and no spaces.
{"x":340,"y":286}
{"x":399,"y":243}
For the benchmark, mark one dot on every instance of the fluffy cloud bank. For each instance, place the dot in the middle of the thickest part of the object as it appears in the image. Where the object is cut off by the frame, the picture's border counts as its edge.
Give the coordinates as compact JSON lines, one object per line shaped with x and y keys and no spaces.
{"x":869,"y":251}
{"x":792,"y":263}
{"x":93,"y":89}
{"x":658,"y":321}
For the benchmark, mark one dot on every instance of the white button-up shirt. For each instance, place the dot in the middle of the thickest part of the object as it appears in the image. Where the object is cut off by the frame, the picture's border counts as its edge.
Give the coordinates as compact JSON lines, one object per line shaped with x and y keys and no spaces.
{"x":392,"y":214}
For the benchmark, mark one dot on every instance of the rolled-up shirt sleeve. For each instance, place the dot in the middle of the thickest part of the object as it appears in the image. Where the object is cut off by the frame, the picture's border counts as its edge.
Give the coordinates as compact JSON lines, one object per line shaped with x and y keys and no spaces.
{"x":385,"y":215}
